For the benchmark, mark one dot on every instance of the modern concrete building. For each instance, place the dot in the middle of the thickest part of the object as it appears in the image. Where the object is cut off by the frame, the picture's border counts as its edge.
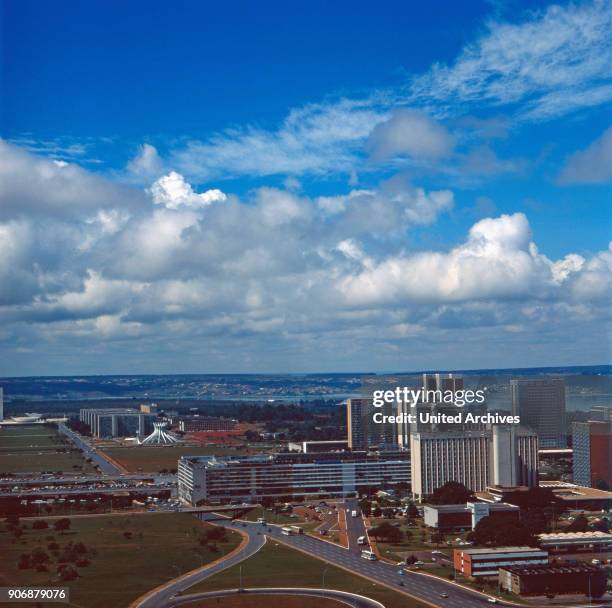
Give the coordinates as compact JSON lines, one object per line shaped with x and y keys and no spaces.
{"x":592,"y":445}
{"x":448,"y":518}
{"x":486,"y":562}
{"x":571,"y":542}
{"x":473,"y":458}
{"x":221,"y":480}
{"x":195,"y":424}
{"x":362,"y":432}
{"x":602,"y":413}
{"x":117,"y":422}
{"x":315,"y":447}
{"x":540,"y":402}
{"x":557,"y":579}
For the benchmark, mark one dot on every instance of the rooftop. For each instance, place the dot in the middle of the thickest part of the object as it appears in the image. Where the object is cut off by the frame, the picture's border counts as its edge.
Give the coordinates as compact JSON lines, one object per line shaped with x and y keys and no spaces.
{"x":575,"y":535}
{"x":488,"y":550}
{"x":551,"y":569}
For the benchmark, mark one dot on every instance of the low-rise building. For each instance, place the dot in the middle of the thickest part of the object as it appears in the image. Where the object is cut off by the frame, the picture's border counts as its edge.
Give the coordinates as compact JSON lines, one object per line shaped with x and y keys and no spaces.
{"x":487,"y":561}
{"x":592,"y":542}
{"x":310,"y":447}
{"x":448,"y":518}
{"x":219,"y":480}
{"x":554,"y":579}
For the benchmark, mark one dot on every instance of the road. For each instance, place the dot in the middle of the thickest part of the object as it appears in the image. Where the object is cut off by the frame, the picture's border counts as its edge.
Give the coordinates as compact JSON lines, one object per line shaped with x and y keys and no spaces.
{"x":417,"y":585}
{"x":47,"y":481}
{"x":106,"y":467}
{"x":354,"y":525}
{"x":162,"y":598}
{"x":351,"y":599}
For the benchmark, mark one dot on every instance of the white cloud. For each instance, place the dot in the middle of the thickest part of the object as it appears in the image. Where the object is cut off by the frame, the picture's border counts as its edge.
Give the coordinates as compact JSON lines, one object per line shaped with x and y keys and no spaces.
{"x":592,"y":165}
{"x":174,"y":192}
{"x":552,"y":63}
{"x":409,"y":133}
{"x":146,"y":163}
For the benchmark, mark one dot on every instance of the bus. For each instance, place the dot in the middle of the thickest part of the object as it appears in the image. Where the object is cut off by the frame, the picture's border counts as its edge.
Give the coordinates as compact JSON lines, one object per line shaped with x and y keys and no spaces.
{"x":286,"y":531}
{"x":296,"y":530}
{"x":369,"y":555}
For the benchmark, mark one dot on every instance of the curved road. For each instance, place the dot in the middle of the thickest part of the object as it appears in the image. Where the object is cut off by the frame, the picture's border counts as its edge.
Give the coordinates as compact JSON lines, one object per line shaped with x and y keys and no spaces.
{"x":162,"y":598}
{"x":351,"y":599}
{"x":426,"y":588}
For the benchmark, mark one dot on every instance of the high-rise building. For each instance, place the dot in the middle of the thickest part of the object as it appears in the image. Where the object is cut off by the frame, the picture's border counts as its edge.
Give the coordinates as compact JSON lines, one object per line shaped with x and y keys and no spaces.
{"x":117,"y":422}
{"x":362,"y":432}
{"x":603,"y":413}
{"x":540,"y":403}
{"x":592,"y":445}
{"x":476,"y":458}
{"x":440,"y":382}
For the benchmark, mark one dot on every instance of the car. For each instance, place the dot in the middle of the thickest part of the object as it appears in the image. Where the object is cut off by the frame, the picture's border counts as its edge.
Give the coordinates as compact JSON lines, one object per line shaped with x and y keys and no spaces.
{"x":401,"y":572}
{"x":444,"y":595}
{"x":492,"y":600}
{"x":419,"y":563}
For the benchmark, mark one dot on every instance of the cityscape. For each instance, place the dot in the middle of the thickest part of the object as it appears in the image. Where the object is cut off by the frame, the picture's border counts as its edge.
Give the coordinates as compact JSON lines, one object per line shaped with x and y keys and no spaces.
{"x":306,"y":304}
{"x":244,"y":496}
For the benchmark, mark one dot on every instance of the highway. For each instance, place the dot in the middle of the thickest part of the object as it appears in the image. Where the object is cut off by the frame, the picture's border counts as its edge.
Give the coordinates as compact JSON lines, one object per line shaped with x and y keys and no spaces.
{"x":351,"y":599}
{"x":354,"y":525}
{"x":162,"y":597}
{"x":37,"y":481}
{"x":106,"y":467}
{"x":420,"y":586}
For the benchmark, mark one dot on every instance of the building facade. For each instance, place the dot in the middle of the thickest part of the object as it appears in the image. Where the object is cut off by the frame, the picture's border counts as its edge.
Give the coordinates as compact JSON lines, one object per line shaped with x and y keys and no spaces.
{"x":592,"y":444}
{"x":193,"y":424}
{"x":540,"y":403}
{"x":473,"y":458}
{"x":220,"y":480}
{"x":448,"y":518}
{"x":557,"y":579}
{"x":117,"y":422}
{"x":487,"y":562}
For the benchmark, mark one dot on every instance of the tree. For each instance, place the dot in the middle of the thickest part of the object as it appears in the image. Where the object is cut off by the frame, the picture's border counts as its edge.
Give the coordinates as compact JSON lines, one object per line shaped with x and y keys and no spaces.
{"x":411,"y":559}
{"x":61,"y":525}
{"x":492,"y":532}
{"x":39,"y":524}
{"x":580,"y":524}
{"x":412,"y":512}
{"x":366,"y":507}
{"x":451,"y":493}
{"x":437,"y":538}
{"x":388,"y":532}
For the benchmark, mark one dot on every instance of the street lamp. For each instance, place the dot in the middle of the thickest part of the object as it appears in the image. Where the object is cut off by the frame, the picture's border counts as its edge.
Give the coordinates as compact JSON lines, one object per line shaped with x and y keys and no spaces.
{"x":323,"y":581}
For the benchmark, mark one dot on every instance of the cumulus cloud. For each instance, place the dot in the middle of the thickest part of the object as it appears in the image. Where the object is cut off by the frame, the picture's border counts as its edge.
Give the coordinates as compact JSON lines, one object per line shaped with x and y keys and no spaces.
{"x":499,"y":260}
{"x":409,"y":133}
{"x":592,"y":165}
{"x":275,"y":272}
{"x":173,"y":192}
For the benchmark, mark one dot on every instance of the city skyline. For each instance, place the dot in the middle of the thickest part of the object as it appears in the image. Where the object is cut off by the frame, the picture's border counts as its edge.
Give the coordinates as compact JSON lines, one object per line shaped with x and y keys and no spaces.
{"x":226,"y":189}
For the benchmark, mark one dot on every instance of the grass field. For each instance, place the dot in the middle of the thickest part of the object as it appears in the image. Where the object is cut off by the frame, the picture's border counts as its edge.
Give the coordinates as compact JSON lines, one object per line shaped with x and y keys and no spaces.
{"x":160,"y":548}
{"x":270,"y":517}
{"x":154,"y":459}
{"x":36,"y":448}
{"x":279,"y":566}
{"x":257,"y":601}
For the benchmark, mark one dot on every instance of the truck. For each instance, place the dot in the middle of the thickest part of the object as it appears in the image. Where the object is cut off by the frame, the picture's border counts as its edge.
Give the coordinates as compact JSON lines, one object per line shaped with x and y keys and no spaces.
{"x":354,"y":513}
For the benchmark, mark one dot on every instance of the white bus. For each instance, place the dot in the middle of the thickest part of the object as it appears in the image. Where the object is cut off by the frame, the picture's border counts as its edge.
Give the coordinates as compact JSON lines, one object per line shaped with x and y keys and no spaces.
{"x":296,"y":530}
{"x":286,"y":531}
{"x":369,"y":555}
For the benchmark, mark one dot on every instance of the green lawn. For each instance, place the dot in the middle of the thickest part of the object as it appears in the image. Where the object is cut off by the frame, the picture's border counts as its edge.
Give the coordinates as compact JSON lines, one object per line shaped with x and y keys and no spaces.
{"x":161,"y":547}
{"x":257,"y":601}
{"x":36,"y":448}
{"x":154,"y":459}
{"x":271,"y":517}
{"x":278,"y":565}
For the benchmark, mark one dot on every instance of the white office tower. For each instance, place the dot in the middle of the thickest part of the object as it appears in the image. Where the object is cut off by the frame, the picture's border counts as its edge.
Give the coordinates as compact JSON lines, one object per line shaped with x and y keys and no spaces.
{"x":160,"y":436}
{"x":502,"y":455}
{"x":1,"y":404}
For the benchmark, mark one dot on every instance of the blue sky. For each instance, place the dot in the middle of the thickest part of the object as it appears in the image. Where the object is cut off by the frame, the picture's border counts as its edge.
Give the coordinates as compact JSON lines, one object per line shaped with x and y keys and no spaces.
{"x":268,"y":187}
